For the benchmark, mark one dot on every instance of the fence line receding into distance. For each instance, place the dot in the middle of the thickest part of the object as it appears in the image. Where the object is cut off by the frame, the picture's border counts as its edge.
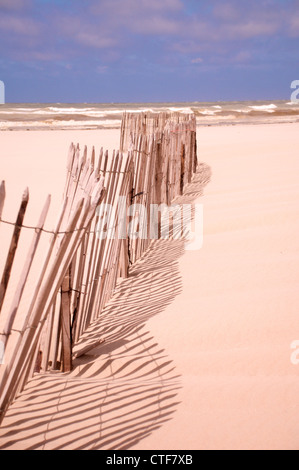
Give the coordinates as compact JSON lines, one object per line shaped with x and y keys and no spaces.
{"x":79,"y":269}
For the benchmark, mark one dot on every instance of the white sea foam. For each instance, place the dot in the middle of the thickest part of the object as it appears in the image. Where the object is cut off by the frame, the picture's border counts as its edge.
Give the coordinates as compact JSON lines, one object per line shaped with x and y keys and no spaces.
{"x":268,"y":108}
{"x":18,"y":111}
{"x":245,"y":111}
{"x":68,"y":110}
{"x":144,"y":110}
{"x":207,"y":112}
{"x":180,"y":110}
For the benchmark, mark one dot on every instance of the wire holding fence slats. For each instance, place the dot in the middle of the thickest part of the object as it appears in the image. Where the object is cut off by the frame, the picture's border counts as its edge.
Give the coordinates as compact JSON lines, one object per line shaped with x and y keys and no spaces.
{"x":81,"y":268}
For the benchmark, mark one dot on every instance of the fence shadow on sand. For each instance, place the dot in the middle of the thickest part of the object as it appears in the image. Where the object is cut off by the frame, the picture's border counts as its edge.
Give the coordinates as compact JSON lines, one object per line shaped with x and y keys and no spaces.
{"x":122,"y":390}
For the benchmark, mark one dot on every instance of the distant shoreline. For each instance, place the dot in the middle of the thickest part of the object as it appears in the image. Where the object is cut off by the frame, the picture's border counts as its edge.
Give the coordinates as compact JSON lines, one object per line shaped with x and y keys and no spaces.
{"x":108,"y":116}
{"x":103,"y":128}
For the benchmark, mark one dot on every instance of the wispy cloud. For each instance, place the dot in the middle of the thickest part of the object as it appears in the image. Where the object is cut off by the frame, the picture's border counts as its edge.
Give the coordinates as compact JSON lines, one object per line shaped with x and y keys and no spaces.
{"x":112,"y":24}
{"x":46,"y":56}
{"x":102,"y":69}
{"x":251,"y":29}
{"x":198,"y":60}
{"x":94,"y":39}
{"x":294,"y":25}
{"x":161,"y":35}
{"x":17,"y":25}
{"x":140,"y":16}
{"x":242,"y":57}
{"x":225,"y":11}
{"x":156,"y":25}
{"x":14,"y":4}
{"x":132,"y":8}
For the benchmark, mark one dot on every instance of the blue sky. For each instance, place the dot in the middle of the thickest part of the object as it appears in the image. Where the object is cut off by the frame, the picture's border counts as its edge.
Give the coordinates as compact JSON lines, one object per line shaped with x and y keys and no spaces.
{"x":148,"y":50}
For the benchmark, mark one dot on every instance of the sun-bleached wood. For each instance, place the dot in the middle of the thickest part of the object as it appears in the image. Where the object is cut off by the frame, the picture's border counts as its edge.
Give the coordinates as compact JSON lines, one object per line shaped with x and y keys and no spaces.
{"x":157,"y":158}
{"x":13,"y":246}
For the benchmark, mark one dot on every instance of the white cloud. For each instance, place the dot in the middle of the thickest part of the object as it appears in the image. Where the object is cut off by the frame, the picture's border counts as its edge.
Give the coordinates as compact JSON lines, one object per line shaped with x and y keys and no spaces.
{"x":294,"y":25}
{"x":156,"y":25}
{"x":102,"y":69}
{"x":140,"y":16}
{"x":108,"y":27}
{"x":94,"y":39}
{"x":198,"y":60}
{"x":242,"y":56}
{"x":46,"y":56}
{"x":251,"y":29}
{"x":19,"y":25}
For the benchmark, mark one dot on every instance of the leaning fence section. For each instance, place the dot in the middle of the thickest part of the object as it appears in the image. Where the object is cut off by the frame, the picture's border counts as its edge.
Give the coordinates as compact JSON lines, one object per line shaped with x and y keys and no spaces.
{"x":101,"y":230}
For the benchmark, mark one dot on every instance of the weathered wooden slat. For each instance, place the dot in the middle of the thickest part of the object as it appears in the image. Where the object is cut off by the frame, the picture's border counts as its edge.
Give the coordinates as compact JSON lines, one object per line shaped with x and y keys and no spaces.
{"x":48,"y":337}
{"x":2,"y":197}
{"x":13,"y":247}
{"x":24,"y":275}
{"x":65,"y":315}
{"x":29,"y":339}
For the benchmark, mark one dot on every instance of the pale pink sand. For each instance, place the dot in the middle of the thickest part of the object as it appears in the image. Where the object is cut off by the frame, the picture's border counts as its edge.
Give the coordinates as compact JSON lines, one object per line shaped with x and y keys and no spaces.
{"x":37,"y":159}
{"x":198,"y":354}
{"x":229,"y":332}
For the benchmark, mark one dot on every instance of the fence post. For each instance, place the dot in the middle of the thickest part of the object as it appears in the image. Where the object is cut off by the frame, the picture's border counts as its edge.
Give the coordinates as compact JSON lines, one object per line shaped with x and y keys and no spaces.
{"x":182,"y":168}
{"x":13,"y":246}
{"x":65,"y":318}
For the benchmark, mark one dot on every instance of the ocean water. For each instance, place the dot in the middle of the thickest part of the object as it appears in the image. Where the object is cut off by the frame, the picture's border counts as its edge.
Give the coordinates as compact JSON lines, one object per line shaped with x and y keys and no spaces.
{"x":99,"y":116}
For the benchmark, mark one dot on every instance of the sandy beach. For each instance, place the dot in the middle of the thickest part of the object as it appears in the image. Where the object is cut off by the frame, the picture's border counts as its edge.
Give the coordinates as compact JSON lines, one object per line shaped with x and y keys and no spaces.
{"x":206,"y":362}
{"x":38,"y":160}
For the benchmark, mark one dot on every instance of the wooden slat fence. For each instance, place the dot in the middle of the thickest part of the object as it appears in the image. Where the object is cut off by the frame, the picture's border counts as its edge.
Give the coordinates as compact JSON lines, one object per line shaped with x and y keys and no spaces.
{"x":82,"y":264}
